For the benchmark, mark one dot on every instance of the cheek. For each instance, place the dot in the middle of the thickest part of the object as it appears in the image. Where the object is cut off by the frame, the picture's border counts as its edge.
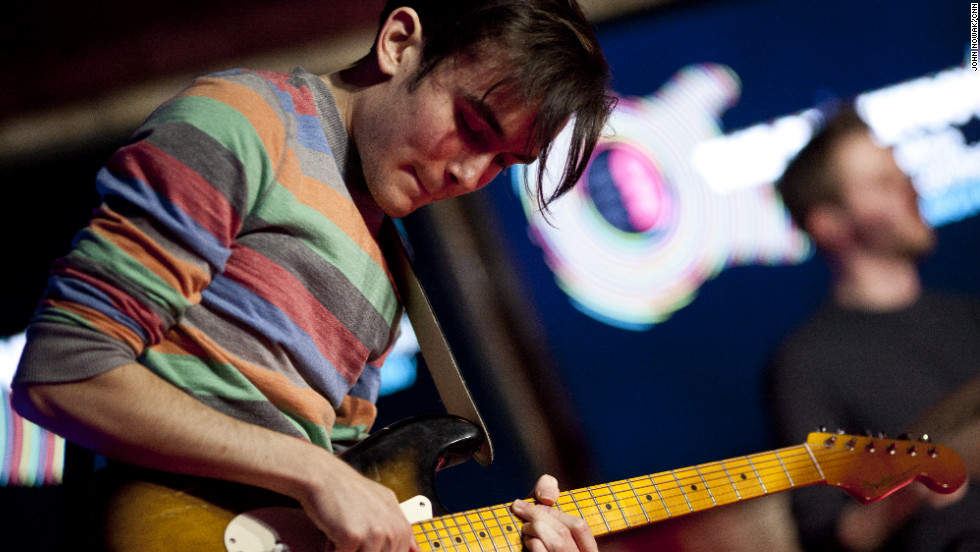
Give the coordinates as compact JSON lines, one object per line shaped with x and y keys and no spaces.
{"x":434,"y":139}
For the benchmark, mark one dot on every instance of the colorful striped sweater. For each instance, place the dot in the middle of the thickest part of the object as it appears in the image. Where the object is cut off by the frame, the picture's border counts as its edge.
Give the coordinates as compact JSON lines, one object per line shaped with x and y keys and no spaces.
{"x":235,"y":254}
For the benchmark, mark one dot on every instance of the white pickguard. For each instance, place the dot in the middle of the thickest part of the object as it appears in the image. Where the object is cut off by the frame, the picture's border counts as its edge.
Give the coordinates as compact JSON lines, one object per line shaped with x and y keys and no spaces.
{"x":281,"y":529}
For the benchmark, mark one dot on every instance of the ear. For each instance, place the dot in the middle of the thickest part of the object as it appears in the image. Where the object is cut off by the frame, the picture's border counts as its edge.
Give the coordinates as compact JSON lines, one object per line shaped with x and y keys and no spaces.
{"x":828,"y":226}
{"x":399,"y":40}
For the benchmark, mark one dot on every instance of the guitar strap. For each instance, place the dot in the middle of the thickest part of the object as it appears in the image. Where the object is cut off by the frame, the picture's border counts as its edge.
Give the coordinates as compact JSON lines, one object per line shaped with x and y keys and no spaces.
{"x":432,"y":341}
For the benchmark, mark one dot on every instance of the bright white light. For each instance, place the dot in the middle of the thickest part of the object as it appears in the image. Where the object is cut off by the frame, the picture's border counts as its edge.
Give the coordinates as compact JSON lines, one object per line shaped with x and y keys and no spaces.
{"x":753,"y":156}
{"x":10,"y":350}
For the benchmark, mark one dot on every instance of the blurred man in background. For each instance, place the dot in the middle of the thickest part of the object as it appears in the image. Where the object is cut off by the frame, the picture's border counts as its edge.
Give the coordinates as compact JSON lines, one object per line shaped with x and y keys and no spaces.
{"x":881,"y":353}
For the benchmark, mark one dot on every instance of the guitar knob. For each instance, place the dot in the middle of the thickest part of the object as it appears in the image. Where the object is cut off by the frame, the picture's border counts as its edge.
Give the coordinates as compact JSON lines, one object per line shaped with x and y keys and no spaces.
{"x":851,"y":444}
{"x":872,"y":447}
{"x":933,"y":452}
{"x":913,"y":450}
{"x":892,"y":448}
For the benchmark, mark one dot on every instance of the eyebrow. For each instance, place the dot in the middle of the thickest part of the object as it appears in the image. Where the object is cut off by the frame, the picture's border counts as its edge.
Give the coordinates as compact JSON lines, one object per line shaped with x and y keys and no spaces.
{"x":488,"y":114}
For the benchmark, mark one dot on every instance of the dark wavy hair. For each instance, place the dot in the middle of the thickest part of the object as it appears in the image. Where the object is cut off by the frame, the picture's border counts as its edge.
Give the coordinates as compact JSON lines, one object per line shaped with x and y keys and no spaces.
{"x":556,"y":61}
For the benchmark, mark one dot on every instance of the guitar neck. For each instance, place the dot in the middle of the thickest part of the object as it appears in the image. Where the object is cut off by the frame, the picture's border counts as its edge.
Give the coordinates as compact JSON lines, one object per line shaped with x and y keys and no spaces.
{"x":630,"y":503}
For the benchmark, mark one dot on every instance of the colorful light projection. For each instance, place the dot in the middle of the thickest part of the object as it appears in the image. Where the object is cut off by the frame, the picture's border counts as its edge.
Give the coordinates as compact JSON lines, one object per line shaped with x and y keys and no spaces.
{"x":669,"y":200}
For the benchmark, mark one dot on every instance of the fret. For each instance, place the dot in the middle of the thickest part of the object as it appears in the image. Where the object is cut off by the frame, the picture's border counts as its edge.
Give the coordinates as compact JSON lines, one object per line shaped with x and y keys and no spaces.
{"x":637,"y":504}
{"x":598,"y":508}
{"x":474,"y":534}
{"x":707,"y":487}
{"x":801,"y":463}
{"x":738,"y":495}
{"x":502,"y":535}
{"x":820,"y":475}
{"x":697,"y":496}
{"x":587,"y":505}
{"x":757,"y":476}
{"x":671,"y":492}
{"x":771,"y":471}
{"x":652,"y":497}
{"x":512,"y":528}
{"x":569,"y":499}
{"x":436,"y":535}
{"x":783,"y":465}
{"x":744,"y":478}
{"x":445,"y":538}
{"x":609,"y":506}
{"x":427,"y":533}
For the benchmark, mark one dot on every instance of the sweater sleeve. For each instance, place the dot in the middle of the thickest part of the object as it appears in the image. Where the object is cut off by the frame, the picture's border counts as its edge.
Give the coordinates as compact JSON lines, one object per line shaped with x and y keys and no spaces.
{"x":172,"y":202}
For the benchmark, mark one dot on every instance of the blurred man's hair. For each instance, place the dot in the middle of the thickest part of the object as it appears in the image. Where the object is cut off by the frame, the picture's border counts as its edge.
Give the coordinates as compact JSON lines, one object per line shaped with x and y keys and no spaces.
{"x":809,"y":179}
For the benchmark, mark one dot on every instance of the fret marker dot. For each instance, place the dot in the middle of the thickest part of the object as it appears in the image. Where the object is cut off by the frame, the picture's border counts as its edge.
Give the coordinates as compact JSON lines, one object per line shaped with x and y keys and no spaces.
{"x":509,"y":528}
{"x":694,"y":487}
{"x":609,"y":506}
{"x":458,"y":539}
{"x":483,"y":535}
{"x":435,"y":544}
{"x":744,"y":477}
{"x":649,"y":498}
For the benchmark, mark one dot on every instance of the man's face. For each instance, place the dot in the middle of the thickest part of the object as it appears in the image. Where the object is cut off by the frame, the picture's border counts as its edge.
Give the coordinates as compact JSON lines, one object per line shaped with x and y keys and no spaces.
{"x":450,"y":135}
{"x":879,"y":199}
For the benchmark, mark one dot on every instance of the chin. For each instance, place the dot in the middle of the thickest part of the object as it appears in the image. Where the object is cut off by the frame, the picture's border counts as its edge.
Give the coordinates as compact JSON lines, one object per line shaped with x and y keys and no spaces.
{"x":398,"y":209}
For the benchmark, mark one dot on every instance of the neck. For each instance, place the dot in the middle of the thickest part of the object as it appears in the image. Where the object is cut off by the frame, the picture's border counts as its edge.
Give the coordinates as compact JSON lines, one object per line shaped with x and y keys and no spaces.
{"x":876,"y":283}
{"x":348,"y":86}
{"x":343,"y":95}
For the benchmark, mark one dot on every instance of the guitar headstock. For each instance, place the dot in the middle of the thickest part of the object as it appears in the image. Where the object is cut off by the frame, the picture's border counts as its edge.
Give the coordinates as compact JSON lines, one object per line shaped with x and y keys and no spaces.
{"x":870,"y":468}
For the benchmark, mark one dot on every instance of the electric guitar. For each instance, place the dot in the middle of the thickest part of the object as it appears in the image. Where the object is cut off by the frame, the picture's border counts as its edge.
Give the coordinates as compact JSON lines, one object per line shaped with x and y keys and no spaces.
{"x":152,"y":516}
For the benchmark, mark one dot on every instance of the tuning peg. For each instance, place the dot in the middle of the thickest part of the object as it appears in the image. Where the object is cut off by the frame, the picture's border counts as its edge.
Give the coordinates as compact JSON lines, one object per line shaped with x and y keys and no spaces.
{"x":925,"y":438}
{"x":882,"y":435}
{"x":821,"y":429}
{"x":841,"y":431}
{"x":903,"y":437}
{"x":868,"y":433}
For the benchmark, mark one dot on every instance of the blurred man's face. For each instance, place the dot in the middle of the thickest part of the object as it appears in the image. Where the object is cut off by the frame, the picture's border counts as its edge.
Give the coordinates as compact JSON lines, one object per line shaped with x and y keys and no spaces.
{"x":881,"y":203}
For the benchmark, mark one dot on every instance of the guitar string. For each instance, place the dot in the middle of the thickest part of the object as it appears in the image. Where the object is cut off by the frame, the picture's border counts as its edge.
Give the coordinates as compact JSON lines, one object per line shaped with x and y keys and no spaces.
{"x":627,"y":520}
{"x":781,"y":463}
{"x":826,"y":459}
{"x":766,"y":473}
{"x":797,"y":454}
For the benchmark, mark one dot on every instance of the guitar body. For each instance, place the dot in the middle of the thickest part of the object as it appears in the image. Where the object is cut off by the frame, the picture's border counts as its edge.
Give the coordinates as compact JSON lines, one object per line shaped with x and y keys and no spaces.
{"x":150,"y":511}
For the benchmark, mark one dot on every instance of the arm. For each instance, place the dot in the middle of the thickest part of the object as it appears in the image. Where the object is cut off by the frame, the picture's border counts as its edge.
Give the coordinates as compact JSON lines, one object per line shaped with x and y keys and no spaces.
{"x":354,"y":512}
{"x":174,"y":204}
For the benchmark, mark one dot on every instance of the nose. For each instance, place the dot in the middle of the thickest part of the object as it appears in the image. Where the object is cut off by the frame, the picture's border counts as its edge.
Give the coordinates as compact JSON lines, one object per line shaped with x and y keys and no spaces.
{"x":472,"y":171}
